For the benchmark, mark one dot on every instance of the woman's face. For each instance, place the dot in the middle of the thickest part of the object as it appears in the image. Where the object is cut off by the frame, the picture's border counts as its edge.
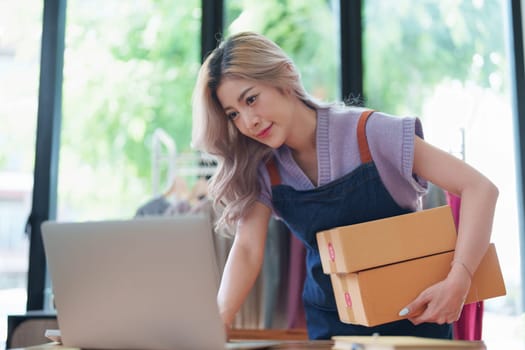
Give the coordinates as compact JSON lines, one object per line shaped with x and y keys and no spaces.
{"x":260,"y":111}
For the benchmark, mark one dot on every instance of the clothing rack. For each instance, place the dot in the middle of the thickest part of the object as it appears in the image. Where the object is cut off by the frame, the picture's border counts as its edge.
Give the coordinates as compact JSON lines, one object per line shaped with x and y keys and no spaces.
{"x":195,"y":164}
{"x":167,"y":163}
{"x":164,"y":153}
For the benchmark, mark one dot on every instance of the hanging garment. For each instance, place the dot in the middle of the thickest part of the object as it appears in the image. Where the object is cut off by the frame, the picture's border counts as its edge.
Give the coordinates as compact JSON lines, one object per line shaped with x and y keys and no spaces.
{"x":274,"y":275}
{"x":296,"y":275}
{"x":357,"y":197}
{"x":154,"y":207}
{"x":470,"y":323}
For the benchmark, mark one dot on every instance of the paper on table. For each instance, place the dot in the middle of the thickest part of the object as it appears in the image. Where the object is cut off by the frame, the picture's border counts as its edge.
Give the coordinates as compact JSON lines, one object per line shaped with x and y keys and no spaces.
{"x":402,"y":342}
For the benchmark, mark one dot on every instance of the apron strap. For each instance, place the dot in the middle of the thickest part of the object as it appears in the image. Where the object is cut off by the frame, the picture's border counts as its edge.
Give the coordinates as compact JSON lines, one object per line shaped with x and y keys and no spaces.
{"x":275,"y":177}
{"x":364,"y":150}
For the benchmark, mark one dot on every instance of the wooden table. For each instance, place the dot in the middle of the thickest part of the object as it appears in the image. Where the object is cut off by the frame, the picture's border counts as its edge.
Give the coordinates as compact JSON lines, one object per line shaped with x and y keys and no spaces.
{"x":286,"y":344}
{"x":290,"y":339}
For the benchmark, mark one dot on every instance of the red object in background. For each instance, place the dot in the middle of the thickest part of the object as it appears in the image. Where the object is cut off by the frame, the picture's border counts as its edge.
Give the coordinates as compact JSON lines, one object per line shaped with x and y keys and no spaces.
{"x":470,"y":323}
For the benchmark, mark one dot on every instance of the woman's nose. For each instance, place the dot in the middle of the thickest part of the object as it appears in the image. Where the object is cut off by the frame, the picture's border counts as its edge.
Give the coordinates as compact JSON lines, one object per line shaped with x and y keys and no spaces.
{"x":251,"y":120}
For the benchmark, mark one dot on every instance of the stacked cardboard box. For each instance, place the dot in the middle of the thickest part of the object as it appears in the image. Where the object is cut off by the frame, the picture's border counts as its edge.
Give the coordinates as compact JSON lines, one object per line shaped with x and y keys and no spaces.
{"x":380,"y":266}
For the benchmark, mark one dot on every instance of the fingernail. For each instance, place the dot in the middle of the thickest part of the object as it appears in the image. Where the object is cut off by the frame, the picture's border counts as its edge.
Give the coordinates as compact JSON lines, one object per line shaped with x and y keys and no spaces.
{"x":404,"y":312}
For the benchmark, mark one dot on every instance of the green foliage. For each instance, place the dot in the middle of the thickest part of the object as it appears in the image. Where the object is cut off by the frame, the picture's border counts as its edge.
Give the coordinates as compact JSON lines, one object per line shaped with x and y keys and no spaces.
{"x":142,"y":75}
{"x":410,"y":46}
{"x":129,"y":74}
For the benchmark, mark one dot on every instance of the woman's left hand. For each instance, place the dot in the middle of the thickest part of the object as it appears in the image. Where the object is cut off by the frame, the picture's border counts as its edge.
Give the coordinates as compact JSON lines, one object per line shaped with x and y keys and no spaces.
{"x":442,"y":302}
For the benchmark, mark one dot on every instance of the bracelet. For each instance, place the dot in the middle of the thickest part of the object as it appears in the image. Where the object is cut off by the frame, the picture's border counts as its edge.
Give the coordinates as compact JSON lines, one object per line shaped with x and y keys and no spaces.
{"x":464,"y":266}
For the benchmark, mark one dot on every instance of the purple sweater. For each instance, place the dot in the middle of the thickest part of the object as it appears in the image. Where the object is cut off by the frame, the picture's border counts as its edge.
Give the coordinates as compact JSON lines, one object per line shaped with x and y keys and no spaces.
{"x":391,"y":142}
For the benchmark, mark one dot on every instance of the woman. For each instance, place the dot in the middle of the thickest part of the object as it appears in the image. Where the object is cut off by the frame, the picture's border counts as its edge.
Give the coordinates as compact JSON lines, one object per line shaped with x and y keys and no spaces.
{"x":318,"y":166}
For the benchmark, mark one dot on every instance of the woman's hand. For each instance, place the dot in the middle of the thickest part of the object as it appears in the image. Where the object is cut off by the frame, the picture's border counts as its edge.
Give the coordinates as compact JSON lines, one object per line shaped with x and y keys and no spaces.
{"x":442,"y":302}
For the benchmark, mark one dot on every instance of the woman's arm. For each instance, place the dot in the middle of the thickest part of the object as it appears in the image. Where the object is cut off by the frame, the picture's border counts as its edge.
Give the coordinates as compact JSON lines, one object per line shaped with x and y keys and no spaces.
{"x":442,"y":302}
{"x":244,"y":261}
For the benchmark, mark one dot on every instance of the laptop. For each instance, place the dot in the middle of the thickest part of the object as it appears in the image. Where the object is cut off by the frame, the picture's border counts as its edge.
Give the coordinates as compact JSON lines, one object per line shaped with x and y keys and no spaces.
{"x":148,"y":283}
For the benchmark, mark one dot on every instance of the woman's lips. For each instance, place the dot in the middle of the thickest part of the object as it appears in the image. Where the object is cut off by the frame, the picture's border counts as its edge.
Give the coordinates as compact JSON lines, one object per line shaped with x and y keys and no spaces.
{"x":265,"y":132}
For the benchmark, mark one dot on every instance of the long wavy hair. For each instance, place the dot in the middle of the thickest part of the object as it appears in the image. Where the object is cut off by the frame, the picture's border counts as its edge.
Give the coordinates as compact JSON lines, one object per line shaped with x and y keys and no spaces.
{"x":251,"y":56}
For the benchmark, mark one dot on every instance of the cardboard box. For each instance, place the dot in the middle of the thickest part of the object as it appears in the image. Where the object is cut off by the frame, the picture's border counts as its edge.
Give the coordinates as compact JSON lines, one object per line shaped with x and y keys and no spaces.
{"x":375,"y":296}
{"x":381,"y":242}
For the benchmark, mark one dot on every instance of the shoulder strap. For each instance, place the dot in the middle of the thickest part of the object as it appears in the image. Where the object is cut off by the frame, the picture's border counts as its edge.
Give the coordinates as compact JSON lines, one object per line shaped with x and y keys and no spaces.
{"x":275,"y":177}
{"x":364,"y":150}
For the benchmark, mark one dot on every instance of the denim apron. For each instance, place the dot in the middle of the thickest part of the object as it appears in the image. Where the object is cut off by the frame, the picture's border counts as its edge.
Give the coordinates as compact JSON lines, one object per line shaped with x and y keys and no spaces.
{"x":354,"y":198}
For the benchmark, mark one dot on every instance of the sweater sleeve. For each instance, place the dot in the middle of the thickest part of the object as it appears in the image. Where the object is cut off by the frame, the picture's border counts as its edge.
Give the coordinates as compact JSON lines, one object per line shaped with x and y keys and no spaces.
{"x":391,"y":140}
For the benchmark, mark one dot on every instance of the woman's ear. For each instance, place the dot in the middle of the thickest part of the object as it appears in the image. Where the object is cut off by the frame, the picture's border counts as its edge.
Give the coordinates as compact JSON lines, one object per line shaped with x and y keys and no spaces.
{"x":285,"y":91}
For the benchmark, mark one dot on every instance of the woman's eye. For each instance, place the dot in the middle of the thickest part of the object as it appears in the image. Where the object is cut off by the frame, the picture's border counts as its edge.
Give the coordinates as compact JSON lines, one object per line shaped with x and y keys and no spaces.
{"x":251,"y":99}
{"x":232,"y":115}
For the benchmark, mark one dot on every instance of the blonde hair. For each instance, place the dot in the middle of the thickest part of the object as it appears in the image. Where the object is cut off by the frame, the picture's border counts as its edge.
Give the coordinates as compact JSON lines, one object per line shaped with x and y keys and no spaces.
{"x":235,"y":186}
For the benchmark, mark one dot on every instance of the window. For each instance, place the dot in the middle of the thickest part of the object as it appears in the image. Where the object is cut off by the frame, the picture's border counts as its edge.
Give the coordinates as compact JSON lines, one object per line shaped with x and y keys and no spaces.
{"x":129,"y":70}
{"x":446,"y":62}
{"x":20,"y":34}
